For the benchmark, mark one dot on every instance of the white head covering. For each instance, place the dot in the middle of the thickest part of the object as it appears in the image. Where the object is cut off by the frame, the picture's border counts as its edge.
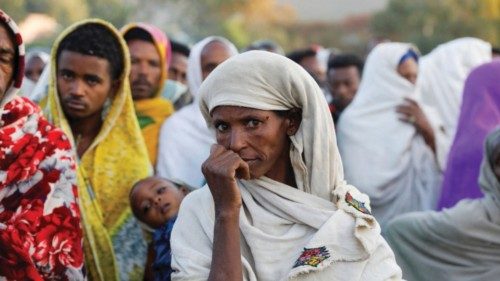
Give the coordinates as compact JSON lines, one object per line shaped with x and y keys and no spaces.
{"x":442,"y":77}
{"x":317,"y":171}
{"x":283,"y":228}
{"x":384,"y":156}
{"x":185,"y":140}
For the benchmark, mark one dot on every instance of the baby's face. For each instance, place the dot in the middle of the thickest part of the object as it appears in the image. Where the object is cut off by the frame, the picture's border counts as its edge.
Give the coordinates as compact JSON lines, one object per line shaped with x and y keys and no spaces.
{"x":154,"y":201}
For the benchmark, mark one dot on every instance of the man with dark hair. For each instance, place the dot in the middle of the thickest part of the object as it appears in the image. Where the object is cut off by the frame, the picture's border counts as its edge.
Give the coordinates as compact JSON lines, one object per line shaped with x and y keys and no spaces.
{"x":149,"y":54}
{"x":343,"y":76}
{"x":309,"y":61}
{"x":176,"y":86}
{"x":89,"y":97}
{"x":40,"y":230}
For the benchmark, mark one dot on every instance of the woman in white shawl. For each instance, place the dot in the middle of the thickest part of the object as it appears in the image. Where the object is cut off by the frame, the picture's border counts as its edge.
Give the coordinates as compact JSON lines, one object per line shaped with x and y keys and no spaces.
{"x":276,"y":206}
{"x":442,"y":77}
{"x":185,"y":140}
{"x":388,"y":150}
{"x":461,"y":243}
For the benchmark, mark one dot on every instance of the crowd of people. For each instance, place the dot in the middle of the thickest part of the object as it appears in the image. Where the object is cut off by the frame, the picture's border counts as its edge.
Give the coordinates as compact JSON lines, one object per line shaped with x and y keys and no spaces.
{"x":125,"y":155}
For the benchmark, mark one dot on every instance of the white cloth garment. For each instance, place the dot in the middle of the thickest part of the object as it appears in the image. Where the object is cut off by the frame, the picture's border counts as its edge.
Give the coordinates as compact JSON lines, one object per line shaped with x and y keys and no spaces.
{"x":442,"y":77}
{"x":185,"y":140}
{"x":320,"y":230}
{"x":460,"y":243}
{"x":382,"y":155}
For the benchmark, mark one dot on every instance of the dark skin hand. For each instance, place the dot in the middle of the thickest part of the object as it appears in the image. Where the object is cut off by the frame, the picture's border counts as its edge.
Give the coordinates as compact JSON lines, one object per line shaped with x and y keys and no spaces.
{"x":222,"y":169}
{"x":413,"y":114}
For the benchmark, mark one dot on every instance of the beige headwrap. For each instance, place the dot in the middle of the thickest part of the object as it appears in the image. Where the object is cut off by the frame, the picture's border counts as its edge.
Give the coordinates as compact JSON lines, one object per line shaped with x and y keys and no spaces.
{"x":287,"y":233}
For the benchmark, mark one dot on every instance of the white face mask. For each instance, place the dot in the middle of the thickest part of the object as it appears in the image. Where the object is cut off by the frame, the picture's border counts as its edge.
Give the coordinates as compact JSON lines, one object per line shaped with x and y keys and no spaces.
{"x":173,"y":90}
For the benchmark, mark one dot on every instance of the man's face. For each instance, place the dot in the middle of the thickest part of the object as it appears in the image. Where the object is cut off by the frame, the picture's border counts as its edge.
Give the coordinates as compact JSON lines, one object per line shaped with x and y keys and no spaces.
{"x":178,"y":68}
{"x":213,"y":54}
{"x":145,"y":73}
{"x":7,"y":57}
{"x":313,"y":66}
{"x":83,"y":83}
{"x":343,"y":83}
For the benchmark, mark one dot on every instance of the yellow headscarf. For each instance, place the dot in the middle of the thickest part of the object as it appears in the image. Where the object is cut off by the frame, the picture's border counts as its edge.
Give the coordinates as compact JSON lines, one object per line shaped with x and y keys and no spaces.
{"x":115,"y":160}
{"x":153,"y":111}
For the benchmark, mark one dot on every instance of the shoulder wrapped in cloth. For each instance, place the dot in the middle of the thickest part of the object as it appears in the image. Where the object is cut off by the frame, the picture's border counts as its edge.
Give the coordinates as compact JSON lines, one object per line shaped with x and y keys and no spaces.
{"x":382,"y":155}
{"x":117,"y":158}
{"x":479,"y":113}
{"x":321,"y":230}
{"x":442,"y":77}
{"x":460,"y":243}
{"x":40,"y":232}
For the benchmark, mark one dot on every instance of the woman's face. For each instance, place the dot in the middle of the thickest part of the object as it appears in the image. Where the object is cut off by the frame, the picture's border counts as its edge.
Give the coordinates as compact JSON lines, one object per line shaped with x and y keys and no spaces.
{"x":409,"y":70}
{"x":259,"y":137}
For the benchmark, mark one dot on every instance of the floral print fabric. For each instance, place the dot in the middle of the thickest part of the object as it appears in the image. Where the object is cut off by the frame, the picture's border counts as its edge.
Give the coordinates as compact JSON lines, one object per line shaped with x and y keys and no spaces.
{"x":40,"y":232}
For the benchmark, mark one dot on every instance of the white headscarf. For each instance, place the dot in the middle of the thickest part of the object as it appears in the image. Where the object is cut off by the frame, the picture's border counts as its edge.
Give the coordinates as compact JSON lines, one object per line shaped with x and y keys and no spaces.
{"x":278,"y":222}
{"x":185,"y":140}
{"x":442,"y":77}
{"x":383,"y":156}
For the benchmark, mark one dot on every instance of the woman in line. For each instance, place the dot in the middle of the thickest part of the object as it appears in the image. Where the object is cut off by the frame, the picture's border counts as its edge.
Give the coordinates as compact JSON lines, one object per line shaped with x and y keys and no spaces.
{"x":276,"y":206}
{"x":388,"y":139}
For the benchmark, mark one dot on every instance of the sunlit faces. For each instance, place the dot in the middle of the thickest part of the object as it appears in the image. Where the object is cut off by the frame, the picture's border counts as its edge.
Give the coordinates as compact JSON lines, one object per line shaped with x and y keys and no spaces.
{"x":155,"y":200}
{"x":83,"y":84}
{"x":343,"y":83}
{"x":34,"y":68}
{"x":7,"y":57}
{"x":177,"y":70}
{"x":259,"y":137}
{"x":409,"y":70}
{"x":213,"y":54}
{"x":145,"y":71}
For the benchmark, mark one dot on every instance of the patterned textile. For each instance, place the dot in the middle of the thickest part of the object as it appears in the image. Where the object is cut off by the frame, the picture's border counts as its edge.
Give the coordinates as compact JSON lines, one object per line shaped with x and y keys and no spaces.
{"x":117,"y":158}
{"x":152,"y":112}
{"x":40,"y":232}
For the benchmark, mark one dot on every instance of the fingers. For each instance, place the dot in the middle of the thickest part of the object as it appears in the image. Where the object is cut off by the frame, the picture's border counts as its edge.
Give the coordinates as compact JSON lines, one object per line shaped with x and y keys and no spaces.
{"x":243,"y":170}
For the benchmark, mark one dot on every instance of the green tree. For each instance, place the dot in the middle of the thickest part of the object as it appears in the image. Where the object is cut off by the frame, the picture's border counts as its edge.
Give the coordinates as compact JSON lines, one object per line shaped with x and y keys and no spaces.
{"x":428,"y":23}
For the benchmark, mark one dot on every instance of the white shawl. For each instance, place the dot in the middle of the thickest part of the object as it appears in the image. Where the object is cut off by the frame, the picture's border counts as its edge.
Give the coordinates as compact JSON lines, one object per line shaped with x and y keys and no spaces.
{"x":442,"y":77}
{"x":184,"y":142}
{"x":460,"y":243}
{"x":319,"y":231}
{"x":383,"y":156}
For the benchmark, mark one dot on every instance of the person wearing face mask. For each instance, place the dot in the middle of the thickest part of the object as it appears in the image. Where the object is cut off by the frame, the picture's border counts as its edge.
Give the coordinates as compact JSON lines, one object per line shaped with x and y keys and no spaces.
{"x":176,"y":89}
{"x":387,"y":137}
{"x":184,"y":138}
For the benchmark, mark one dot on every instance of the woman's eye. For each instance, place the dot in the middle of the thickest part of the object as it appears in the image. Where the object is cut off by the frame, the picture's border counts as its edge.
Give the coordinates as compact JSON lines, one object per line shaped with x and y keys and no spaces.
{"x":161,"y":190}
{"x":221,"y":127}
{"x":253,"y":123}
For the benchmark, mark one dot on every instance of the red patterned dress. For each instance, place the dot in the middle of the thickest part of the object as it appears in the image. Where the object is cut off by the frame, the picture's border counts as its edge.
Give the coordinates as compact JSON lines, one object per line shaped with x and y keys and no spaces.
{"x":40,"y":231}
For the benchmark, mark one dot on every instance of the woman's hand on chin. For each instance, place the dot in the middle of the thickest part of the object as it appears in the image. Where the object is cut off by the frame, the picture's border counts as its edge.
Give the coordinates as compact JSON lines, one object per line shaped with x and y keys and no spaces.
{"x":221,"y":170}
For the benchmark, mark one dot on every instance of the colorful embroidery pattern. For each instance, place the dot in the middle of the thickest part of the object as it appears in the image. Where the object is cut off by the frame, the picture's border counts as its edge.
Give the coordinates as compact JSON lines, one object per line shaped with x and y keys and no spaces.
{"x":312,"y":257}
{"x":360,"y":206}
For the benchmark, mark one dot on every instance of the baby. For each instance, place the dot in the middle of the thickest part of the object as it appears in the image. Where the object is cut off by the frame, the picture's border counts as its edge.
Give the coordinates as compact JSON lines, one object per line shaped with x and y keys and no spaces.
{"x":155,"y":202}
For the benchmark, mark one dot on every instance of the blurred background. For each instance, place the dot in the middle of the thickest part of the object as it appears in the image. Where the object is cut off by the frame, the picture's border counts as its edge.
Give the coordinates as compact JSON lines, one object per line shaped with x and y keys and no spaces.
{"x":349,"y":25}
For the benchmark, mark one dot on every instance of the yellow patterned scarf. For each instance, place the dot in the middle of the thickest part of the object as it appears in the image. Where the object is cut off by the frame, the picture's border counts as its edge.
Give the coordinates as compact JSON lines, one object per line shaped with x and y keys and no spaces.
{"x":117,"y":158}
{"x":153,"y":111}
